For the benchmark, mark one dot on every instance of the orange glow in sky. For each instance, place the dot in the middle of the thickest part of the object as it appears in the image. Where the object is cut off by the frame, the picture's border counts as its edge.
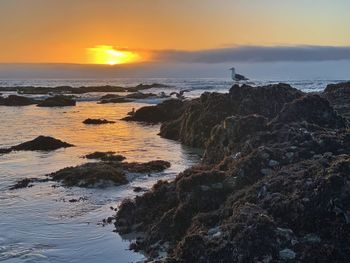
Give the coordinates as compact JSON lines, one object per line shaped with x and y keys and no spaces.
{"x":107,"y":55}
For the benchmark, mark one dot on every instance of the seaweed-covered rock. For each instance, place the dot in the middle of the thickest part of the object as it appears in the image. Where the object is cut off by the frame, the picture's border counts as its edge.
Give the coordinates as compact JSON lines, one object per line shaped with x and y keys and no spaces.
{"x":272,"y":187}
{"x":194,"y":126}
{"x":14,"y":100}
{"x":339,"y":97}
{"x":165,"y":111}
{"x":97,"y":121}
{"x":110,"y":171}
{"x":41,"y":143}
{"x":98,"y":174}
{"x":149,"y":167}
{"x":105,"y":156}
{"x":57,"y":101}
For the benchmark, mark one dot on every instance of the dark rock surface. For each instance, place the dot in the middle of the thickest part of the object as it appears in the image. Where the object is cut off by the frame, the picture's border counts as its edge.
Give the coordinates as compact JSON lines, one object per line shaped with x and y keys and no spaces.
{"x":149,"y":167}
{"x":14,"y":100}
{"x":113,"y":98}
{"x":41,"y":143}
{"x":273,"y":185}
{"x":193,"y":127}
{"x":165,"y":111}
{"x":97,"y":121}
{"x":79,"y":90}
{"x":57,"y":101}
{"x":100,"y":174}
{"x":106,"y":156}
{"x":339,"y":97}
{"x":110,"y":171}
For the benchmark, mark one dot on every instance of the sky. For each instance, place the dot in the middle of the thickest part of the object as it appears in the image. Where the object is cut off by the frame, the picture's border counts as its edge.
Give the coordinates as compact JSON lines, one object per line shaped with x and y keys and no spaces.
{"x":181,"y":31}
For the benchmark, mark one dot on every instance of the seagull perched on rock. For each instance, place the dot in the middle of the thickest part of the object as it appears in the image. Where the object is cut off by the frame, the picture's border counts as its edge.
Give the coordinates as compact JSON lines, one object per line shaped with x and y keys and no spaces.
{"x":237,"y":77}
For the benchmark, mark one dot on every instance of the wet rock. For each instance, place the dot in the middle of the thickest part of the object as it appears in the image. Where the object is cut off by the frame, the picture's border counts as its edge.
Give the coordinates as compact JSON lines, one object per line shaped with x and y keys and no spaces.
{"x":259,"y":190}
{"x":139,"y":189}
{"x":339,"y":97}
{"x":114,"y":99}
{"x":26,"y":183}
{"x":105,"y":156}
{"x":22,"y":184}
{"x":312,"y":109}
{"x":57,"y":101}
{"x":146,"y":86}
{"x":91,"y":175}
{"x":149,"y":167}
{"x":195,"y":125}
{"x":140,"y":95}
{"x":165,"y":111}
{"x":41,"y":143}
{"x":14,"y":100}
{"x":97,"y":121}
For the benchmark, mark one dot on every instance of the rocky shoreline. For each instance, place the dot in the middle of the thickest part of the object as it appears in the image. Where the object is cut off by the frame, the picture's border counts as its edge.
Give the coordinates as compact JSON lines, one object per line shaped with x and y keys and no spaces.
{"x":273,"y":185}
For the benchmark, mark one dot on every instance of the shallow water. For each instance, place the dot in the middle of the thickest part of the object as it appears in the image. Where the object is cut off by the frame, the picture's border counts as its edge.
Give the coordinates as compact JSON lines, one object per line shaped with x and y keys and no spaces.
{"x":39,"y":224}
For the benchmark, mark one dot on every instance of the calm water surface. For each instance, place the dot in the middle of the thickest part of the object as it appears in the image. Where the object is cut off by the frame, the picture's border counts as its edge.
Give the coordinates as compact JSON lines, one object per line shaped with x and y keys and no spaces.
{"x":38,"y":224}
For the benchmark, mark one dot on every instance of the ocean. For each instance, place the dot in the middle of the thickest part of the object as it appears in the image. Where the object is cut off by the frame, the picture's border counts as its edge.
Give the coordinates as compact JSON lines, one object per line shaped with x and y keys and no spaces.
{"x":39,"y":224}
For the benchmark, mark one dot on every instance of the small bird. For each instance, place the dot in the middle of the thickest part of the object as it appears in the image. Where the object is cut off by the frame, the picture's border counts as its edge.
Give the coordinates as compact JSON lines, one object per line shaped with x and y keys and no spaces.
{"x":237,"y":77}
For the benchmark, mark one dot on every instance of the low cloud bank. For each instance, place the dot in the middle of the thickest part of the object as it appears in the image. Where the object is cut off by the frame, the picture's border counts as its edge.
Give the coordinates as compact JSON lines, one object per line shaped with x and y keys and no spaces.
{"x":256,"y":54}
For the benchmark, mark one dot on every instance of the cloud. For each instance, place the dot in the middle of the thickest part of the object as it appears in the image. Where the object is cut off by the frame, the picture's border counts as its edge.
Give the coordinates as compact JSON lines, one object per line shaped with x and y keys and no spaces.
{"x":256,"y":54}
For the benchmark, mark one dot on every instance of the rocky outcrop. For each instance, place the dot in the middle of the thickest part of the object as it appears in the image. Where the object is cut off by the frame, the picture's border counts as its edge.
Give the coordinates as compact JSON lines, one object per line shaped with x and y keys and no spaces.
{"x":79,"y":90}
{"x":193,"y":127}
{"x":165,"y":111}
{"x":41,"y":143}
{"x":339,"y":97}
{"x":113,"y":98}
{"x":273,"y":186}
{"x":97,"y":121}
{"x":105,"y":156}
{"x":57,"y":101}
{"x":110,"y":171}
{"x":14,"y":100}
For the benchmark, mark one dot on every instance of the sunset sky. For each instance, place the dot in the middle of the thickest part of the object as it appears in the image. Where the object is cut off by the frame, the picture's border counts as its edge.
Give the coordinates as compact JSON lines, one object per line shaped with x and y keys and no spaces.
{"x":63,"y":31}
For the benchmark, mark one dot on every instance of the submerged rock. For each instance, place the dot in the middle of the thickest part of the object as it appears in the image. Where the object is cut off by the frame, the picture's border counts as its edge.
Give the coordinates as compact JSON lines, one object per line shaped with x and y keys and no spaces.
{"x":57,"y":101}
{"x":14,"y":100}
{"x":105,"y":156}
{"x":149,"y":167}
{"x":97,"y":121}
{"x":41,"y":143}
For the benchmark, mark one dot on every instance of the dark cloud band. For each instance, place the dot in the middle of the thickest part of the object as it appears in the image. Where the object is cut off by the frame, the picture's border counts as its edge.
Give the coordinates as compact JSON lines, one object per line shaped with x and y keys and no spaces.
{"x":256,"y":54}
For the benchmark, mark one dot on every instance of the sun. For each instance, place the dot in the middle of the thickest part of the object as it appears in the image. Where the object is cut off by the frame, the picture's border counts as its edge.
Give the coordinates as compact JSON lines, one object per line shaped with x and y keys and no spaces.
{"x":107,"y":55}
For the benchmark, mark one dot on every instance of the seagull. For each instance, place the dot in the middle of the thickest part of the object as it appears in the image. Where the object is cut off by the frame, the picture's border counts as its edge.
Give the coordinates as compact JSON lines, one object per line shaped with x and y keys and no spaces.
{"x":237,"y":77}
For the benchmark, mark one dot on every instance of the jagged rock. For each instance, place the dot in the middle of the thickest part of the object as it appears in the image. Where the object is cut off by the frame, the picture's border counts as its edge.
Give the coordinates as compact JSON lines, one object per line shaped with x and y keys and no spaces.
{"x":14,"y":100}
{"x":201,"y":115}
{"x":146,"y":86}
{"x":165,"y":111}
{"x":339,"y":97}
{"x":41,"y":143}
{"x":97,"y":121}
{"x":113,"y":98}
{"x":140,"y":95}
{"x":57,"y":101}
{"x":266,"y":182}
